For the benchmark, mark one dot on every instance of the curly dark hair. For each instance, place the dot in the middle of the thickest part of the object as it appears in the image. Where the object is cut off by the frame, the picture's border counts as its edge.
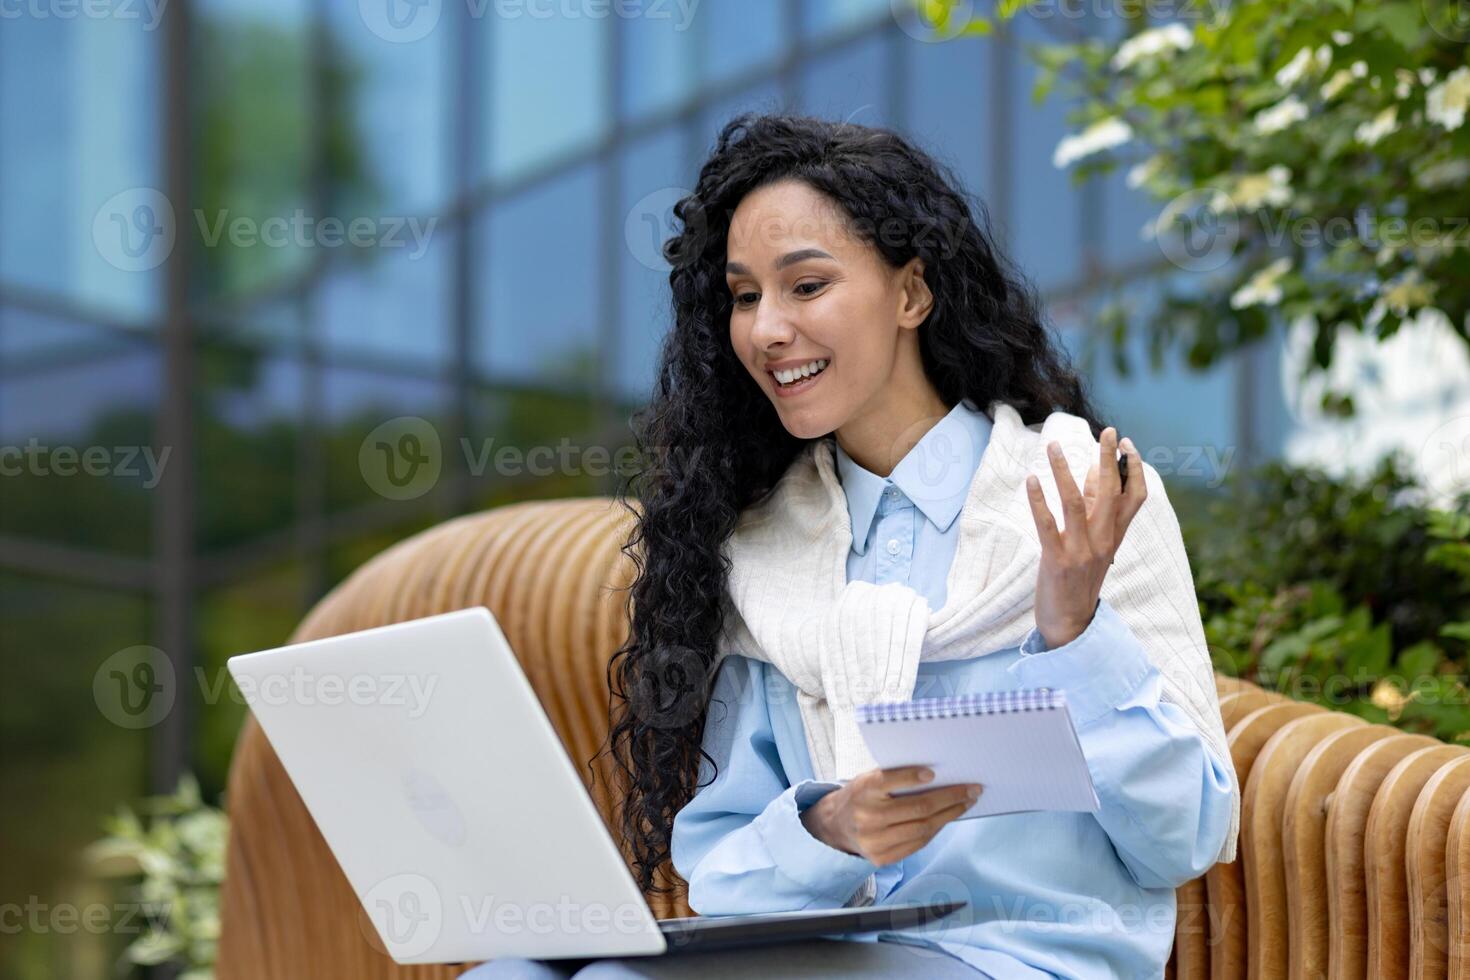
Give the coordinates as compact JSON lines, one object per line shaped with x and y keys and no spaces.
{"x":712,"y":443}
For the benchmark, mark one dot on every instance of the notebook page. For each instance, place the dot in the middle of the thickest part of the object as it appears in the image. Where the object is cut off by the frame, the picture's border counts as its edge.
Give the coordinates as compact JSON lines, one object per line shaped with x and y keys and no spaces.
{"x":1026,"y":760}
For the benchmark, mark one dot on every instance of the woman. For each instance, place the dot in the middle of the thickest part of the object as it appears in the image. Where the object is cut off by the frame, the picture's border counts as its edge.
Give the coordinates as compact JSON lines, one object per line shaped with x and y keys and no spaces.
{"x":852,"y":419}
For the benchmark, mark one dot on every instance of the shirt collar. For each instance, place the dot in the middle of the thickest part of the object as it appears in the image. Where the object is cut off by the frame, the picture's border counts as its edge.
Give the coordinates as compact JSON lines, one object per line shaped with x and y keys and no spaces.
{"x":935,"y":474}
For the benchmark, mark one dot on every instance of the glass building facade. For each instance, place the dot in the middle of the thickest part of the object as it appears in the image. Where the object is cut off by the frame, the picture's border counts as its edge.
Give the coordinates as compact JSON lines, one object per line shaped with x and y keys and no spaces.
{"x":173,"y":295}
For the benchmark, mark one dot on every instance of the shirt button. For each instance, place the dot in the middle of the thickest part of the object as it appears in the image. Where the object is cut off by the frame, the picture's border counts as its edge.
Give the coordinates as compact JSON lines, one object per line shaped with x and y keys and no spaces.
{"x":893,"y":546}
{"x":892,"y":493}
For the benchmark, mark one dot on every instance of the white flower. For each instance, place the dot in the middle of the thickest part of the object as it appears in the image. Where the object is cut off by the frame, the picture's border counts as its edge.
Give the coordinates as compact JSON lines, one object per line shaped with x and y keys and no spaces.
{"x":1427,"y":76}
{"x":1101,"y":135}
{"x":1359,"y":69}
{"x":1291,"y":72}
{"x":1446,"y":102}
{"x":1263,"y":287}
{"x":1139,"y":173}
{"x":1409,"y":289}
{"x":1269,"y":187}
{"x":1405,"y":83}
{"x":1281,"y":115}
{"x":1288,"y":74}
{"x":1378,"y":127}
{"x":1443,"y":173}
{"x":1342,"y":38}
{"x":1339,"y":81}
{"x":1151,"y":43}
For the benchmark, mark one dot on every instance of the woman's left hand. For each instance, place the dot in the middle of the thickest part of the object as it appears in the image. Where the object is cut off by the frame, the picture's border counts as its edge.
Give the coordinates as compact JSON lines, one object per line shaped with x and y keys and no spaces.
{"x":1075,"y":561}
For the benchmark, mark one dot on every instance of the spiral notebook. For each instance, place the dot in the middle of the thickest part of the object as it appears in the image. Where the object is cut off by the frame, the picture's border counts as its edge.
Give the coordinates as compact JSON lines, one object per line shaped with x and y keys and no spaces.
{"x":1020,"y":745}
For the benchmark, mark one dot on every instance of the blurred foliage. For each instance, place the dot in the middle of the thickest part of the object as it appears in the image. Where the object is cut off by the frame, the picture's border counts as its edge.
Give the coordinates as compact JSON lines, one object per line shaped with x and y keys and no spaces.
{"x":1349,"y":592}
{"x":176,"y":849}
{"x":1315,"y":151}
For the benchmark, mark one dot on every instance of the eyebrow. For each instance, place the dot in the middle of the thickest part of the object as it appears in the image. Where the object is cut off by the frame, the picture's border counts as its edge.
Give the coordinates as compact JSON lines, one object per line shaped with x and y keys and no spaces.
{"x":790,"y":258}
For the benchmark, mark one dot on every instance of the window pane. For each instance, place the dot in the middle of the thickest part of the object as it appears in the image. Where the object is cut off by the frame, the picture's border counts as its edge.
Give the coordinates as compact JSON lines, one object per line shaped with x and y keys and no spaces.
{"x":539,"y":309}
{"x":762,"y":97}
{"x":256,"y":614}
{"x":537,"y":445}
{"x":1044,"y":220}
{"x":392,"y":301}
{"x":658,"y":58}
{"x":248,"y":435}
{"x":75,"y":153}
{"x":253,"y":150}
{"x":957,"y":129}
{"x":652,"y":171}
{"x":68,"y":762}
{"x":385,"y":438}
{"x":1183,"y":421}
{"x":850,"y":84}
{"x":393,"y":98}
{"x":822,"y":17}
{"x":530,"y":122}
{"x":80,"y":463}
{"x":739,"y":37}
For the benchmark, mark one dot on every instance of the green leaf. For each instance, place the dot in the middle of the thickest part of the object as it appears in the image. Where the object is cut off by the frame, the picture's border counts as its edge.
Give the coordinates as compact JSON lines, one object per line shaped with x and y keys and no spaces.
{"x":978,"y":27}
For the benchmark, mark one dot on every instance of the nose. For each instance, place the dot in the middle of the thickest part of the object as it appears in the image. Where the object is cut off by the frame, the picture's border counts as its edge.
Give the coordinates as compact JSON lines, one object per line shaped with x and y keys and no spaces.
{"x":772,"y":327}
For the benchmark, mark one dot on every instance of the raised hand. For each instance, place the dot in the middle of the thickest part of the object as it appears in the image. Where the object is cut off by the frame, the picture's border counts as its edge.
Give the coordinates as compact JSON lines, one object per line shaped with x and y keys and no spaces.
{"x":1075,"y":560}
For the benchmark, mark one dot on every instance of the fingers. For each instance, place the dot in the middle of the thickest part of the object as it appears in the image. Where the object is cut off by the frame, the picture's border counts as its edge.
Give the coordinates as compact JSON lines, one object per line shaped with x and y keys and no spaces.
{"x":1135,"y":492}
{"x":921,"y":806}
{"x":1046,"y":525}
{"x":900,"y":777}
{"x":901,"y":840}
{"x":1100,"y":524}
{"x":1073,"y":508}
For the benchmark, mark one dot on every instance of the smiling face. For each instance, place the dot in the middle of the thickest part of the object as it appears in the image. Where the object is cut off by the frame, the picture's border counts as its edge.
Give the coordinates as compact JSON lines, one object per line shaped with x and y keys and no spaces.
{"x":808,"y":294}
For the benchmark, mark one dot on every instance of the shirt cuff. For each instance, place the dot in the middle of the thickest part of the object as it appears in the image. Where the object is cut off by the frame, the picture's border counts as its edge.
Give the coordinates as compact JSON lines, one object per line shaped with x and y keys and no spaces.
{"x":1098,"y":670}
{"x":803,"y":858}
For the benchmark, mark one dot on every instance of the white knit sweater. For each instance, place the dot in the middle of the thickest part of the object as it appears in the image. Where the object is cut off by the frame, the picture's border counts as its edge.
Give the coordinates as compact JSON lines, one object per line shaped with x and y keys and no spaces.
{"x":843,"y":643}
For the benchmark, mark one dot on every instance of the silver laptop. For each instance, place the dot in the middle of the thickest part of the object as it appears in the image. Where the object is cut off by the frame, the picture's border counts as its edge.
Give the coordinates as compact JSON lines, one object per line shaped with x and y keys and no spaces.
{"x":426,"y":760}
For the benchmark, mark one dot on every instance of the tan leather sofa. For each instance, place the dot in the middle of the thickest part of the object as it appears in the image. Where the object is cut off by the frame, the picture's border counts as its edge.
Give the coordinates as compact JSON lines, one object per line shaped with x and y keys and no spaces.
{"x":1355,"y":838}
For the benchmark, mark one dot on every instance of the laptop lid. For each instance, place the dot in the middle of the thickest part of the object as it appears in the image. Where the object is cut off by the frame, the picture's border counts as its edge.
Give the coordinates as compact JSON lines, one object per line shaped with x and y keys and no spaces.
{"x":425,"y":758}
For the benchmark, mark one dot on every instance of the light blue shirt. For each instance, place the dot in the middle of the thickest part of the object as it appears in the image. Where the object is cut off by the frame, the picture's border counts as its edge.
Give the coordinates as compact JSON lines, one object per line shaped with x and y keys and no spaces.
{"x":1050,"y":894}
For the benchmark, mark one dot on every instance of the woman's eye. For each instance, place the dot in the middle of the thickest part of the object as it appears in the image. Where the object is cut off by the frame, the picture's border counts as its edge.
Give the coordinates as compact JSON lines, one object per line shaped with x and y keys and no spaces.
{"x":815,"y":286}
{"x":742,"y":297}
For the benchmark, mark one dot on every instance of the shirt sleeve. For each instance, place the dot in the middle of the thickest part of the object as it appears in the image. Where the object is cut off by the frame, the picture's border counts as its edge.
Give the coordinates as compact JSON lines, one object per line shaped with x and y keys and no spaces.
{"x":740,"y":843}
{"x":1165,"y":799}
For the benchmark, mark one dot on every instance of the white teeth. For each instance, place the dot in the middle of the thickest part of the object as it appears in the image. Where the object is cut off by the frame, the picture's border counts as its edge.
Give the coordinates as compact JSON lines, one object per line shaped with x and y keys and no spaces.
{"x":786,"y":377}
